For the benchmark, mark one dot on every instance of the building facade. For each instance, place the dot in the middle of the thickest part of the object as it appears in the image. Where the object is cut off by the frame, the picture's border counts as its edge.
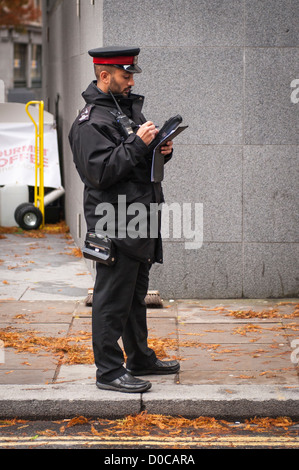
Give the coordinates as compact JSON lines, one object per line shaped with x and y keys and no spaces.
{"x":230,"y":68}
{"x":21,"y":60}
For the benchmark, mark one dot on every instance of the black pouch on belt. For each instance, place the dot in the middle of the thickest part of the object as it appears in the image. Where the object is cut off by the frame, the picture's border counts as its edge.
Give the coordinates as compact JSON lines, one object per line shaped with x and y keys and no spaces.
{"x":99,"y":248}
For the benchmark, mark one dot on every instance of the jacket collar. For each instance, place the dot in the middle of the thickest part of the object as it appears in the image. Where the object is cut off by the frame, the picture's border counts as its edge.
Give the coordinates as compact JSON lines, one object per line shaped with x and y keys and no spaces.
{"x":93,"y":95}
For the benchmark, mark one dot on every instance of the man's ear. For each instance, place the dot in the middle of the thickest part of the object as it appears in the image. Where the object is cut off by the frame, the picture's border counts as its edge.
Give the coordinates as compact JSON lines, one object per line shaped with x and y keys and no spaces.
{"x":105,"y":77}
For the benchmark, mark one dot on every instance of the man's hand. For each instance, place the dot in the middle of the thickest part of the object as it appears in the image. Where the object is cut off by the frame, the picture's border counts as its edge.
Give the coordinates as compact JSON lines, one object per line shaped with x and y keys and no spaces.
{"x":147,"y":132}
{"x":166,"y":149}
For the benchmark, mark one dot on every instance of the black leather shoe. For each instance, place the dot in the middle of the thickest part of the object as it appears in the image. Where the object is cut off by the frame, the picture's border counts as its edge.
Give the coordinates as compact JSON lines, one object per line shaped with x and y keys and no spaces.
{"x":126,"y":383}
{"x":158,"y":368}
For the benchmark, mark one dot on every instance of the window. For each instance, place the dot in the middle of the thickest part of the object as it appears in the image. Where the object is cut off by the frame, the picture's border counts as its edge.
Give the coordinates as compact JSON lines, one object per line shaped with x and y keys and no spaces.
{"x":20,"y":65}
{"x":27,"y":56}
{"x":36,"y":66}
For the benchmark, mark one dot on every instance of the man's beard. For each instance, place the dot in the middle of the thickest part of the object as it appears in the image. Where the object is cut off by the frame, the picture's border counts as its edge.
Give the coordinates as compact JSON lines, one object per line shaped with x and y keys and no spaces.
{"x":117,"y":90}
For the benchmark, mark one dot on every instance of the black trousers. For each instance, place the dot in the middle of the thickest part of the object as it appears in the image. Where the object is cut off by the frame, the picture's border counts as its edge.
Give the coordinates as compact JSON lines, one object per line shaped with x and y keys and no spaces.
{"x":119,"y":311}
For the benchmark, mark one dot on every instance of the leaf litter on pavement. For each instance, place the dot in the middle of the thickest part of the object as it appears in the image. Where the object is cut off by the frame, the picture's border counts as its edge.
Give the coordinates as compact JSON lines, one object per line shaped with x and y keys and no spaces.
{"x":76,"y":349}
{"x":68,"y":349}
{"x":58,"y":228}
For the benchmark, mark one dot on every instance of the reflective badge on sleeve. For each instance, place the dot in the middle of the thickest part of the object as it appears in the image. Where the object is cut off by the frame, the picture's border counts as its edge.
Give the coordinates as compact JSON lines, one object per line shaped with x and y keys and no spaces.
{"x":85,"y":113}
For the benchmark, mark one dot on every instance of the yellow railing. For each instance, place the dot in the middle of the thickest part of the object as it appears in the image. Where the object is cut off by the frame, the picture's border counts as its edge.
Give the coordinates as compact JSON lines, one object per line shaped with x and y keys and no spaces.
{"x":39,"y":158}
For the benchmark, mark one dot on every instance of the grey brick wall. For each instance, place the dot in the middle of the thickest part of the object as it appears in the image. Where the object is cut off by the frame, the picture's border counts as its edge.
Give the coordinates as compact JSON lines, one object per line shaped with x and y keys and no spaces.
{"x":227,"y":66}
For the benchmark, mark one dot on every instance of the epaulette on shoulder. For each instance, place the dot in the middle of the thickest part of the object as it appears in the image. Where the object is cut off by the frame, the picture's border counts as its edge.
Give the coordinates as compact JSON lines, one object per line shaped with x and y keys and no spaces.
{"x":85,"y":113}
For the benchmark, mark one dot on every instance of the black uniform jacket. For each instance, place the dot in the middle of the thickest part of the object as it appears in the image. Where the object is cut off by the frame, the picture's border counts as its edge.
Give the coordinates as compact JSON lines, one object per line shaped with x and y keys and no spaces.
{"x":111,"y":166}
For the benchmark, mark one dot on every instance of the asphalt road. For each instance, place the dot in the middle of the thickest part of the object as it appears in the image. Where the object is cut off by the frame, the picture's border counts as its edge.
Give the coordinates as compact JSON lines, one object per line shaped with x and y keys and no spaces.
{"x":111,"y":435}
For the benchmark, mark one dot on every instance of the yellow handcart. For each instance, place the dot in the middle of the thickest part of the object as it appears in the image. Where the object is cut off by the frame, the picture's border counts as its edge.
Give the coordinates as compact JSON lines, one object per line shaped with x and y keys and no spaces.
{"x":27,"y":215}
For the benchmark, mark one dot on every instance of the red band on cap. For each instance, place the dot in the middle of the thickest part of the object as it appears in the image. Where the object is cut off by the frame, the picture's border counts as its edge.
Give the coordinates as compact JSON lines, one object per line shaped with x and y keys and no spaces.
{"x":118,"y":60}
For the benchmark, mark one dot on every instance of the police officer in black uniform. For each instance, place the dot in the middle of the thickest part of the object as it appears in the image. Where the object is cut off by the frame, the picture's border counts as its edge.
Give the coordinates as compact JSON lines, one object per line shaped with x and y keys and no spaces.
{"x":113,"y":162}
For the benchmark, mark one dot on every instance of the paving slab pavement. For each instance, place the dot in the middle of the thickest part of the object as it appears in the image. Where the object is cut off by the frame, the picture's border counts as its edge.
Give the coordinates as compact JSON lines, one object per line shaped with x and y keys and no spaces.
{"x":238,"y":357}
